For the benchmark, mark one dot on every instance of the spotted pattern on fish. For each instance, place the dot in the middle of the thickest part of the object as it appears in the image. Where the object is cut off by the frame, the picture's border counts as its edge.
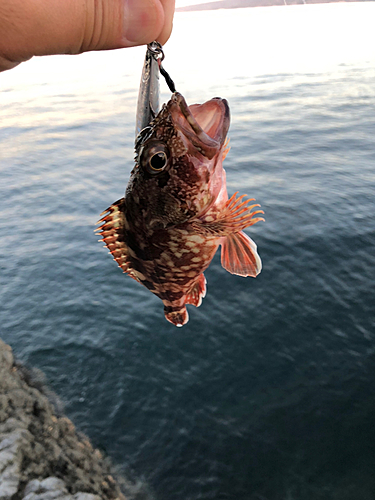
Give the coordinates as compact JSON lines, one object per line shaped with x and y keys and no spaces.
{"x":175,"y":213}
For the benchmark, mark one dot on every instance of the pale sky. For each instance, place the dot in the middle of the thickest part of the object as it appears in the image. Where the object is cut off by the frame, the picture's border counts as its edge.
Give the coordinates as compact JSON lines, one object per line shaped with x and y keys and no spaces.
{"x":184,"y":3}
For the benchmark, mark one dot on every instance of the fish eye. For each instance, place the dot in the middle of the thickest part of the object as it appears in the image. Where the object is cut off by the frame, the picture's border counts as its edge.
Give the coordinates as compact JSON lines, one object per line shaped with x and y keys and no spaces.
{"x":154,"y":157}
{"x":158,"y":161}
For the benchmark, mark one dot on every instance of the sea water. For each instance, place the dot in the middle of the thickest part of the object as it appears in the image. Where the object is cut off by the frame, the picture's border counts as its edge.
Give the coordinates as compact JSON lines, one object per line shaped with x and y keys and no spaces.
{"x":268,"y":392}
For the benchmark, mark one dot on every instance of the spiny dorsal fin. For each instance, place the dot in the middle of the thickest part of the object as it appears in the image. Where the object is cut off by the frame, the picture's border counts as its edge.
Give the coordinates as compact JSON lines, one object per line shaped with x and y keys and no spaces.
{"x":197,"y":292}
{"x":111,"y":229}
{"x":239,"y":255}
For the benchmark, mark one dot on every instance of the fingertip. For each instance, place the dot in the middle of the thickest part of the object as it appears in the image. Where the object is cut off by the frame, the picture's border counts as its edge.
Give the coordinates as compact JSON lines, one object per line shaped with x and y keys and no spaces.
{"x":168,"y":7}
{"x":142,"y":21}
{"x":71,"y":27}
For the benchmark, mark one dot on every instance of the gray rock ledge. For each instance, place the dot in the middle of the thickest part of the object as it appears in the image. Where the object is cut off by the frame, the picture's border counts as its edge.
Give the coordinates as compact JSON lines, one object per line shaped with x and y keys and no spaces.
{"x":42,"y":457}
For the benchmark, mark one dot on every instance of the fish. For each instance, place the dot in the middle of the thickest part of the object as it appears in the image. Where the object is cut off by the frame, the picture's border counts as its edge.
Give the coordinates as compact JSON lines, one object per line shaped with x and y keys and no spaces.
{"x":176,"y":212}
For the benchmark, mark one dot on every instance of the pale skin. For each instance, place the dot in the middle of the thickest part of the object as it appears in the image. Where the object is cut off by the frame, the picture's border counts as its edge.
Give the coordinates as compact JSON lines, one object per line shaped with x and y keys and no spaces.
{"x":44,"y":27}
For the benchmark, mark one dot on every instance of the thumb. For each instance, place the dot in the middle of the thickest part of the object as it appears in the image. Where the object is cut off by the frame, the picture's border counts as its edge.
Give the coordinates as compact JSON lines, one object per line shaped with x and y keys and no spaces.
{"x":43,"y":27}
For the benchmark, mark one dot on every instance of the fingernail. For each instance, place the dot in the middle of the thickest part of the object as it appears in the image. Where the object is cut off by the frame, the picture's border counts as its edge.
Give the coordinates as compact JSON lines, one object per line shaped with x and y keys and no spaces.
{"x":136,"y":21}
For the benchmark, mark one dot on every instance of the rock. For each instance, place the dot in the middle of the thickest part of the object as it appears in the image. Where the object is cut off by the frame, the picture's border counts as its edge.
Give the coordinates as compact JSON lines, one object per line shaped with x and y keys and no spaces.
{"x":42,"y":456}
{"x":53,"y":488}
{"x":6,"y":355}
{"x":11,"y":461}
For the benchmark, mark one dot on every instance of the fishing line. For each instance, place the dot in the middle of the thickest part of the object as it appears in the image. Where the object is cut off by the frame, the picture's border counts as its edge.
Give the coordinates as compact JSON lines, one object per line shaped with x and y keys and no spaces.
{"x":168,"y":79}
{"x":157,"y":51}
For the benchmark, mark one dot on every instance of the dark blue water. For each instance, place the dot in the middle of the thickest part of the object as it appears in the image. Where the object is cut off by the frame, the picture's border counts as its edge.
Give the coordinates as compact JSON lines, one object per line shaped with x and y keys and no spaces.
{"x":268,"y":393}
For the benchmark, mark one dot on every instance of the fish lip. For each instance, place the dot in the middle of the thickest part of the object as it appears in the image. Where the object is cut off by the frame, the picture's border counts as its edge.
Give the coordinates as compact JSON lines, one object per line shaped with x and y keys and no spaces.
{"x":209,"y":145}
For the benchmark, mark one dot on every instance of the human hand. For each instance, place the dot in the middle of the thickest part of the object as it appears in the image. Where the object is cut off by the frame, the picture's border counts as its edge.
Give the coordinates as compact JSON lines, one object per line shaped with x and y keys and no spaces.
{"x":43,"y":27}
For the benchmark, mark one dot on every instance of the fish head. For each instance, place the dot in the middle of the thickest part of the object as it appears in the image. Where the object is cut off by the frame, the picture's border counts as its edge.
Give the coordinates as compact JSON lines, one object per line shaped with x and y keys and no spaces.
{"x":178,"y":173}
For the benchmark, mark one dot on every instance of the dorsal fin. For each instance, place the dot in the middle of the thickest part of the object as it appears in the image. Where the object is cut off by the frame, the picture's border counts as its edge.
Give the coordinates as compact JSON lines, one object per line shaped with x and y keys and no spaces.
{"x":111,"y":229}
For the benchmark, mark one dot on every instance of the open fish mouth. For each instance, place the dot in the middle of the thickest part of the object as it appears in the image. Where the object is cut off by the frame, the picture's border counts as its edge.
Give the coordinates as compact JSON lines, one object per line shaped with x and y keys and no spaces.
{"x":204,"y":125}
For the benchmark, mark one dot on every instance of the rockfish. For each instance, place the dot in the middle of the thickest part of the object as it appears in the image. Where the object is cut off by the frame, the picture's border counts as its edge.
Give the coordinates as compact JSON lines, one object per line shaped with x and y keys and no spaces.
{"x":176,"y":212}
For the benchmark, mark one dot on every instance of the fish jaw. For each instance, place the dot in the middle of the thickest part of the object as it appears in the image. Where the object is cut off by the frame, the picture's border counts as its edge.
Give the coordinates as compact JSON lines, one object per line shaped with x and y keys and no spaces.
{"x":202,"y":127}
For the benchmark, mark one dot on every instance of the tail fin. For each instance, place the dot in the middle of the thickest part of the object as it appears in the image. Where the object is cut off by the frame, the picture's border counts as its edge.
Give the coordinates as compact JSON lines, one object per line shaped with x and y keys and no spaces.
{"x":177,"y":317}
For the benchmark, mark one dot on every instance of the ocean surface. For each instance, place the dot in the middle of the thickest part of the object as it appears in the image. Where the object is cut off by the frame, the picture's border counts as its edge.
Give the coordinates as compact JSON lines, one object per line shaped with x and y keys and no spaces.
{"x":268,"y":393}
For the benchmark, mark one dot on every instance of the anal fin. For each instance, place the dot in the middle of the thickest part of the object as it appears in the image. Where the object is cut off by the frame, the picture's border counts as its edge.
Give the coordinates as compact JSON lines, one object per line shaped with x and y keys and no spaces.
{"x":197,"y":292}
{"x":111,"y":229}
{"x":239,"y":255}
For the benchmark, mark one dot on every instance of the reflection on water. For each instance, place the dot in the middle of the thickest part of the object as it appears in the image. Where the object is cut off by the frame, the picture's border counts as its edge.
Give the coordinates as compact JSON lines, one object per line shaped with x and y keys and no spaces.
{"x":267,"y":393}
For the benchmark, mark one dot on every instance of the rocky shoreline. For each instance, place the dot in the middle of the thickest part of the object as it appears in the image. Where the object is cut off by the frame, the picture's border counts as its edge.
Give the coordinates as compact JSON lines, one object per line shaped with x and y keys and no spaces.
{"x":42,"y":456}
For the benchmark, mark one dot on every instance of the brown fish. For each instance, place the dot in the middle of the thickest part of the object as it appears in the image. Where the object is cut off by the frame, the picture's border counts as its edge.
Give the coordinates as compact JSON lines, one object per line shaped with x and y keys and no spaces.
{"x":175,"y":213}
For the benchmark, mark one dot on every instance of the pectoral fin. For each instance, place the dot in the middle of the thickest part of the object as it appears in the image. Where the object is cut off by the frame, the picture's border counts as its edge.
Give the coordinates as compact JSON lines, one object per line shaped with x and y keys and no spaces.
{"x":239,"y":255}
{"x":235,"y":216}
{"x":226,"y":148}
